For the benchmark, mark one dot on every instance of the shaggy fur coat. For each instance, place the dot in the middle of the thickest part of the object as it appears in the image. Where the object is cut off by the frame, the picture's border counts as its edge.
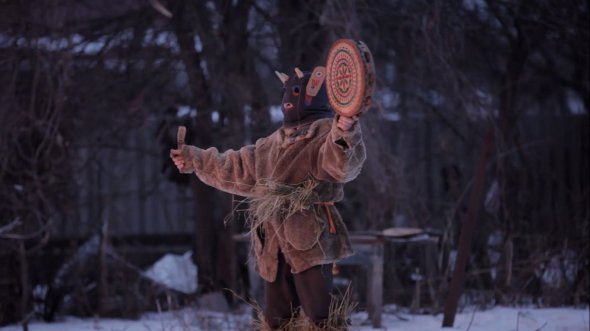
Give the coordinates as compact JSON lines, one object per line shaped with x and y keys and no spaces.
{"x":320,"y":157}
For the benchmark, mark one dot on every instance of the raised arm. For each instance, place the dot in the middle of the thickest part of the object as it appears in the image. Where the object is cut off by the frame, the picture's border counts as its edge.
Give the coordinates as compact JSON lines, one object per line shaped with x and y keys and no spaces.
{"x":342,"y":154}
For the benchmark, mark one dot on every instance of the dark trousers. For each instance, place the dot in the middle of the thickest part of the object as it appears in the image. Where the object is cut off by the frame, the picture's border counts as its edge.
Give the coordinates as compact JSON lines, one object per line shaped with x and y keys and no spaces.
{"x":309,"y":289}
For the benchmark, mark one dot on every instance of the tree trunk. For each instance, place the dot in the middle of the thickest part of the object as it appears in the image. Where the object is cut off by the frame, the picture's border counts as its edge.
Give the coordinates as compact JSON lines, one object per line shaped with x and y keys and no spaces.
{"x":303,"y":38}
{"x":509,"y":174}
{"x":206,"y":234}
{"x":214,"y":246}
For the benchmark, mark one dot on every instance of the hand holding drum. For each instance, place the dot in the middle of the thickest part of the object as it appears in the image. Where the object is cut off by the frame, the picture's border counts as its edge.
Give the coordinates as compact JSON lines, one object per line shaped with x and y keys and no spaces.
{"x":350,"y":77}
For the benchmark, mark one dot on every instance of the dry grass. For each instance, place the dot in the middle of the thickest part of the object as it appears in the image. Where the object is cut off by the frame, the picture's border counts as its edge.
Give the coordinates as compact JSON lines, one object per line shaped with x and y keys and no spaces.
{"x":280,"y":200}
{"x":340,"y":310}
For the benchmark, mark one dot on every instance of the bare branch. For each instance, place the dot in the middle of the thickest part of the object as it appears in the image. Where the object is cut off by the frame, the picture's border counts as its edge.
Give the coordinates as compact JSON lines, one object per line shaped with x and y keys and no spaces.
{"x":10,"y":226}
{"x":160,"y":8}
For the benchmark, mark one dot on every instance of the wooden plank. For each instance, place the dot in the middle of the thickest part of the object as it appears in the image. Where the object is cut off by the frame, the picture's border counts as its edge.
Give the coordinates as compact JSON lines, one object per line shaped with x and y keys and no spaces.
{"x":376,"y":285}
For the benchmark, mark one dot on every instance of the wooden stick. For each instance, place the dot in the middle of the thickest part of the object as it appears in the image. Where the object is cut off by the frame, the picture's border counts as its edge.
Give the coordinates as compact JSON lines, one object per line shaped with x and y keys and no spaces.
{"x":467,"y":230}
{"x":180,"y":136}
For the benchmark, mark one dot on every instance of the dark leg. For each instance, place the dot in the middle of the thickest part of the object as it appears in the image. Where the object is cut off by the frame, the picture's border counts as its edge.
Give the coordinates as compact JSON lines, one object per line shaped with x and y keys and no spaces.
{"x":313,"y":287}
{"x":281,"y":296}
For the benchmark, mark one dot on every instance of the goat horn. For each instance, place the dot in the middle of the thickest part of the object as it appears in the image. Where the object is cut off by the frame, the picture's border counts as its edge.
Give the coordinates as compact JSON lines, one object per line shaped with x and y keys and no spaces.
{"x":299,"y":73}
{"x":283,"y":77}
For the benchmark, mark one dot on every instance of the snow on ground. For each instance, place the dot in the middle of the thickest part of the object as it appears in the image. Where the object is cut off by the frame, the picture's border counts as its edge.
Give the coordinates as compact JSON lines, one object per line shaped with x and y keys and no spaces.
{"x":496,"y":319}
{"x":175,"y":271}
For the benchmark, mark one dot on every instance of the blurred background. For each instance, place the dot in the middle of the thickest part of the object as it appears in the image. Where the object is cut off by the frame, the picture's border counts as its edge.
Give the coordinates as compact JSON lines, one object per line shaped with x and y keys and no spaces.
{"x":92,"y":92}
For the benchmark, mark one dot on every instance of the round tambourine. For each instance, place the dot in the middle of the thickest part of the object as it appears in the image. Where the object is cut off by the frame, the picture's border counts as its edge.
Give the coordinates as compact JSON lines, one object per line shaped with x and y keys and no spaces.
{"x":350,"y":77}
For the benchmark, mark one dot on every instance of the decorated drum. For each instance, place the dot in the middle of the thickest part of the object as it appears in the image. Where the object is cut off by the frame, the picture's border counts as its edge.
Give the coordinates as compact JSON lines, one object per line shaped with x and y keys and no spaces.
{"x":350,"y":77}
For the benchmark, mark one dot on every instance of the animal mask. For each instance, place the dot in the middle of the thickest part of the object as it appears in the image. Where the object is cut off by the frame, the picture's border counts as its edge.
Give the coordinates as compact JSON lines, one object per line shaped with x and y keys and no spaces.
{"x":304,"y":97}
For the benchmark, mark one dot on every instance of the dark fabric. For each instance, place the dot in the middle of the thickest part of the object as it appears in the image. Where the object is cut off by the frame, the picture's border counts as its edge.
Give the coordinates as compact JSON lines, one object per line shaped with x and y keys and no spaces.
{"x":309,"y":289}
{"x":304,"y":110}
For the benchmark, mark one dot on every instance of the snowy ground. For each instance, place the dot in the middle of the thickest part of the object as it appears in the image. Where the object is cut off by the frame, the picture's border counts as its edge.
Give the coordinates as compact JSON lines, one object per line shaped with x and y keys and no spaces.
{"x":496,"y":319}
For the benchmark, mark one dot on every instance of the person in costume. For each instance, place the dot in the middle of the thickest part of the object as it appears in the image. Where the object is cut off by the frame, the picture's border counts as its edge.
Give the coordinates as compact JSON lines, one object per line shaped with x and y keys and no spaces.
{"x":291,"y":179}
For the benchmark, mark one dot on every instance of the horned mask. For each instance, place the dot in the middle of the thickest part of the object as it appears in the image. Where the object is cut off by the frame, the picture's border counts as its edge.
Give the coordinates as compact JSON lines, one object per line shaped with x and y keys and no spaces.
{"x":304,"y":97}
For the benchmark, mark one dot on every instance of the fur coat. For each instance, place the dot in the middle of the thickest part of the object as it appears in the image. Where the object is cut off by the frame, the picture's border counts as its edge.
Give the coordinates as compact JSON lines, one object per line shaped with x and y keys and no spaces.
{"x":315,"y":160}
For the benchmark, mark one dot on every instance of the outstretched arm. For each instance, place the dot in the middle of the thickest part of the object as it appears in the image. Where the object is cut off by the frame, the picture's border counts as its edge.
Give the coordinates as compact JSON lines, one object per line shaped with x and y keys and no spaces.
{"x":230,"y":171}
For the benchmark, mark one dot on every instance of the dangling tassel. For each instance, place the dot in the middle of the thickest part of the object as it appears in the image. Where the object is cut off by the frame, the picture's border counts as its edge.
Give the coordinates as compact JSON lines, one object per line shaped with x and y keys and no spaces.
{"x":329,"y":214}
{"x":330,"y":219}
{"x":335,"y":269}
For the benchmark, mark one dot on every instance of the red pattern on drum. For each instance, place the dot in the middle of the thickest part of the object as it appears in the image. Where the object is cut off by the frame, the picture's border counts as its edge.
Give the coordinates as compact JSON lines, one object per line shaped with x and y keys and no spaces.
{"x":350,"y":77}
{"x":345,"y":74}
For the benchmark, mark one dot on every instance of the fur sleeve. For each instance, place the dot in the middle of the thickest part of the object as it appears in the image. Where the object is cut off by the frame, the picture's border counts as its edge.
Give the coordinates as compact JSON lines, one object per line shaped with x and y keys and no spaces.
{"x":341,"y":155}
{"x":231,"y":171}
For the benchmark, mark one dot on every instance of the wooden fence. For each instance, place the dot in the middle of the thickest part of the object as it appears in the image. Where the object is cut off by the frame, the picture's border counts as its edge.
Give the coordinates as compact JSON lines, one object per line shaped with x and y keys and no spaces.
{"x":126,"y":185}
